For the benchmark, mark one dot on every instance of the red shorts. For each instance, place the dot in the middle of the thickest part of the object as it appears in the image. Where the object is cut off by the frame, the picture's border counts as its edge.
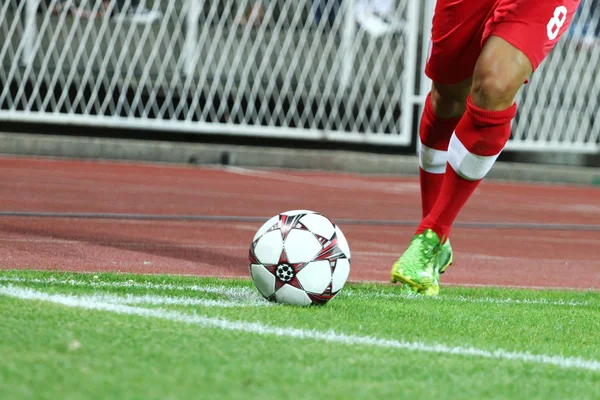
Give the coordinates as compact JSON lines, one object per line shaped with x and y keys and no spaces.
{"x":461,"y":27}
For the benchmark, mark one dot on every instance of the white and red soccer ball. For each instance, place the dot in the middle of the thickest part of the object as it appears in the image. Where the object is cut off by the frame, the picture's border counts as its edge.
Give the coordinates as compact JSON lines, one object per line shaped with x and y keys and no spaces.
{"x":299,"y":257}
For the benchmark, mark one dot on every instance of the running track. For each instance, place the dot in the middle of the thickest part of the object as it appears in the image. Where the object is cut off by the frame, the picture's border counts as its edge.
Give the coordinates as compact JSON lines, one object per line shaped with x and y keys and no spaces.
{"x":68,"y":215}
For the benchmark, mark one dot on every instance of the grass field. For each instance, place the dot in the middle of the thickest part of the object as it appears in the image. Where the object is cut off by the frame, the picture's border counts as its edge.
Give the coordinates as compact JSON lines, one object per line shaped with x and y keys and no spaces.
{"x":73,"y":336}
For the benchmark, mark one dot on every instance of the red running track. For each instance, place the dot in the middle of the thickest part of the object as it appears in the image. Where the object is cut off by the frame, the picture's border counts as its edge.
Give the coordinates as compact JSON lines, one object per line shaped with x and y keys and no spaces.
{"x":484,"y":256}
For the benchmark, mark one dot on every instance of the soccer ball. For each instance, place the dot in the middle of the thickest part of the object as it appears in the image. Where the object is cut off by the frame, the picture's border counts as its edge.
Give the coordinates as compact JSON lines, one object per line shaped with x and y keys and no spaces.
{"x":299,"y":257}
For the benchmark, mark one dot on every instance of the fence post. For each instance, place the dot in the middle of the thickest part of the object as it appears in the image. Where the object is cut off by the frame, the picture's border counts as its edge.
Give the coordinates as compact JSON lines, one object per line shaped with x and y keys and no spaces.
{"x":30,"y":31}
{"x":410,"y":64}
{"x":347,"y":44}
{"x":191,"y":36}
{"x":428,"y":9}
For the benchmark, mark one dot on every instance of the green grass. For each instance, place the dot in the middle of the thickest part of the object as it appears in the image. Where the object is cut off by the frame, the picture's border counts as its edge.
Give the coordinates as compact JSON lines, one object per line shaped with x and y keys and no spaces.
{"x":55,"y":351}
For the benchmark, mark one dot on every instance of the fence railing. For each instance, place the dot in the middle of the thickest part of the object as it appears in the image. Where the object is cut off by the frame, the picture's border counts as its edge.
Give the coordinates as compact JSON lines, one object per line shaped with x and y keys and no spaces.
{"x":559,"y":109}
{"x":310,"y":69}
{"x":306,"y":71}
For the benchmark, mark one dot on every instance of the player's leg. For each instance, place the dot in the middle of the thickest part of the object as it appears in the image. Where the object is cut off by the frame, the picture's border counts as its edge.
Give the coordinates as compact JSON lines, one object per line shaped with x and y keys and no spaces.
{"x":511,"y":51}
{"x":456,"y":30}
{"x":444,"y":106}
{"x":482,"y":132}
{"x":473,"y":147}
{"x":450,"y":64}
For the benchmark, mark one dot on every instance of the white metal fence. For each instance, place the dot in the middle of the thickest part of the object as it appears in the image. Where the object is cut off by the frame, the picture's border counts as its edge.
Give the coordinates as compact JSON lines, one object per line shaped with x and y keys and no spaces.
{"x":559,"y":109}
{"x":306,"y":70}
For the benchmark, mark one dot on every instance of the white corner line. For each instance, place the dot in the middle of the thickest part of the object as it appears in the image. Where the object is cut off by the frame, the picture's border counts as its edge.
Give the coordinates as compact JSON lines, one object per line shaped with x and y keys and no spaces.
{"x":241,"y":293}
{"x":178,"y":300}
{"x":250,"y":295}
{"x":86,"y":302}
{"x":480,"y":300}
{"x":152,"y":299}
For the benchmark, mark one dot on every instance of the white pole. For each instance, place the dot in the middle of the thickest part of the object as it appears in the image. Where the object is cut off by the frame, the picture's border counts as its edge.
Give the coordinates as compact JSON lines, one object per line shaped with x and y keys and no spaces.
{"x":410,"y":67}
{"x":347,"y":47}
{"x":191,"y":36}
{"x":425,"y":49}
{"x":30,"y":31}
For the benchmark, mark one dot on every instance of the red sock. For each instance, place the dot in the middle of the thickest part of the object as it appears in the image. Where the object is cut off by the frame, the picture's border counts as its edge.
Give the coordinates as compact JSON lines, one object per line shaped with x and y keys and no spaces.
{"x":476,"y":144}
{"x":435,"y":133}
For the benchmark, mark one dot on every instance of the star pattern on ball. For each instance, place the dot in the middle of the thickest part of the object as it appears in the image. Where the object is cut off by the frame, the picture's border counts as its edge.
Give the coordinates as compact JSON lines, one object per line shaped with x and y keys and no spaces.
{"x":290,"y":268}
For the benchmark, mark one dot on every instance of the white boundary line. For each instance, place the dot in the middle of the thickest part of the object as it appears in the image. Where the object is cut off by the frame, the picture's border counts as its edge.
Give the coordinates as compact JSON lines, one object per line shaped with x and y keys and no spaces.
{"x":87,"y":302}
{"x":484,"y":300}
{"x":239,"y":293}
{"x":250,"y":295}
{"x":152,"y":299}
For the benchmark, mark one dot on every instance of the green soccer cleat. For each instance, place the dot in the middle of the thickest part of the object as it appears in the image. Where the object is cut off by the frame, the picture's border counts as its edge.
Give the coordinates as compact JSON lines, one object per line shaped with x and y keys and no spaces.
{"x":419,"y":267}
{"x":445,"y":257}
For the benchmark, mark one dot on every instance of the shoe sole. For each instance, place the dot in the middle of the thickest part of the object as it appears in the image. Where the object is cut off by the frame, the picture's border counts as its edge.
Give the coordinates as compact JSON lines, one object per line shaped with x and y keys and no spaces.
{"x":397,"y":278}
{"x":416,"y":287}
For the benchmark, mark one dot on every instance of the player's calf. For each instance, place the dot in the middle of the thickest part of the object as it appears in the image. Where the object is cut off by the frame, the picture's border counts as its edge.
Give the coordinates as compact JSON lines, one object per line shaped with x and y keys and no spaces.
{"x":443,"y":108}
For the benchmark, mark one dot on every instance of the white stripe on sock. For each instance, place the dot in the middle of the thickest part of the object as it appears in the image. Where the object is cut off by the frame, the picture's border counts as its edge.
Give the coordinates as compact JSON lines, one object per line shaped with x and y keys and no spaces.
{"x":432,"y":160}
{"x":468,"y":165}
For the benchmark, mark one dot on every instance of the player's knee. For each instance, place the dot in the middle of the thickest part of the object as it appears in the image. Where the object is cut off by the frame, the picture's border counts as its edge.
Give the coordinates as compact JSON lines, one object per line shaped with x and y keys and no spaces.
{"x":446,"y":107}
{"x":499,"y":74}
{"x":492,"y":92}
{"x":449,"y":101}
